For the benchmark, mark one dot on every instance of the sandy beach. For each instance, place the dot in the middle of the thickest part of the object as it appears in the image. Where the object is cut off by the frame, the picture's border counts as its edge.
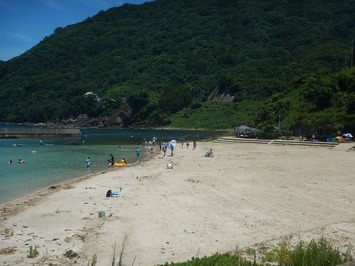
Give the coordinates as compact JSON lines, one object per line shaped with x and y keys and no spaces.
{"x":245,"y":195}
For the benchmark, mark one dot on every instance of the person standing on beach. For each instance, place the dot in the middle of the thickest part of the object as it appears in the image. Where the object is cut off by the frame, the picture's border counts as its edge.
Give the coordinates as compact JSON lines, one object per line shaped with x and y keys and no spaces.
{"x":164,"y":148}
{"x":172,"y":150}
{"x":88,"y":162}
{"x":138,"y":152}
{"x":112,"y":159}
{"x":194,"y":144}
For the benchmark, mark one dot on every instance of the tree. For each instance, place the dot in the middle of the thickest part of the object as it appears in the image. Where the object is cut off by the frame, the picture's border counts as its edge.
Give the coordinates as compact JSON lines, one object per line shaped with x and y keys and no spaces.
{"x":174,"y":98}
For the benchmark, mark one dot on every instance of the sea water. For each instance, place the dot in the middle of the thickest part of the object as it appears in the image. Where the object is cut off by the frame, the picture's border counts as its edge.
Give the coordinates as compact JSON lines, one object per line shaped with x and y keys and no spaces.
{"x":61,"y":159}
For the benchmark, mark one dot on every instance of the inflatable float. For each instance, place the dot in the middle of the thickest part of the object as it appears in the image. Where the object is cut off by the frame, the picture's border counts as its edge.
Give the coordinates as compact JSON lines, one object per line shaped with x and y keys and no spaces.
{"x":120,"y":164}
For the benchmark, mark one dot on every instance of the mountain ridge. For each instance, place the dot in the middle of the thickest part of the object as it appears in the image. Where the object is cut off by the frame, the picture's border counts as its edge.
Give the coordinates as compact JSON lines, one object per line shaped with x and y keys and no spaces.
{"x":133,"y":55}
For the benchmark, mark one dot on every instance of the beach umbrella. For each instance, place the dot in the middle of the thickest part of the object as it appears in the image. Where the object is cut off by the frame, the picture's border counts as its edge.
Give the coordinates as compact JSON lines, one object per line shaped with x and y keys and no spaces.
{"x":172,"y":144}
{"x":348,"y":135}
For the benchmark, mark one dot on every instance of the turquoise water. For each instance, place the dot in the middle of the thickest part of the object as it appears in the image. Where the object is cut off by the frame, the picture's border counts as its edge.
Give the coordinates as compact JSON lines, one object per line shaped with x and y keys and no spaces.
{"x":61,"y":159}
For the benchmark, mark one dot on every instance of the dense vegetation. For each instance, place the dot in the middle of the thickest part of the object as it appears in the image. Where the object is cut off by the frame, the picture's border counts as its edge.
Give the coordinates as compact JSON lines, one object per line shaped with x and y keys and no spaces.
{"x":202,"y":63}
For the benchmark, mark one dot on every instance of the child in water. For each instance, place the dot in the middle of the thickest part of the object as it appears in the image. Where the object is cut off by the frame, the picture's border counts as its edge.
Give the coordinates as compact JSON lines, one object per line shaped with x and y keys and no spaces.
{"x":88,"y":162}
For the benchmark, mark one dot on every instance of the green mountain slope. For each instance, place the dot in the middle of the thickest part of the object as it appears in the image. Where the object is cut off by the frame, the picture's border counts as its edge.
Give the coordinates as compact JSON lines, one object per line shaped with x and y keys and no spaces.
{"x":145,"y":63}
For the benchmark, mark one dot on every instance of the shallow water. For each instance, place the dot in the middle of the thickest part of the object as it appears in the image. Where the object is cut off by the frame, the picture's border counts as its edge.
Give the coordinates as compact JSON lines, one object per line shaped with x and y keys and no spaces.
{"x":51,"y":163}
{"x":61,"y":159}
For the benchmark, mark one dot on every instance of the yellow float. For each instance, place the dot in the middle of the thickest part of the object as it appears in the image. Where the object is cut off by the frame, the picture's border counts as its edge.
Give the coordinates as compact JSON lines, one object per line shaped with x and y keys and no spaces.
{"x":120,"y":164}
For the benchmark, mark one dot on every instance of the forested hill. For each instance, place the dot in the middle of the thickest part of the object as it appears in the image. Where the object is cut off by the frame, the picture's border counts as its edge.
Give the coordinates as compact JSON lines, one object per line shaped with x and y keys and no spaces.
{"x":146,"y":64}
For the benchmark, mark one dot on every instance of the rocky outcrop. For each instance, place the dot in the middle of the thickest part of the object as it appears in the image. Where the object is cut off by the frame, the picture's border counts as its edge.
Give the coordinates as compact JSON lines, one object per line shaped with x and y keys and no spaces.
{"x":217,"y":96}
{"x":84,"y":121}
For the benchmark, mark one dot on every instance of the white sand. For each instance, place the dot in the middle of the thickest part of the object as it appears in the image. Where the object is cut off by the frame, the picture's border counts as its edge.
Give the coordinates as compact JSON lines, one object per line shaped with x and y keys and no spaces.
{"x":247,"y":194}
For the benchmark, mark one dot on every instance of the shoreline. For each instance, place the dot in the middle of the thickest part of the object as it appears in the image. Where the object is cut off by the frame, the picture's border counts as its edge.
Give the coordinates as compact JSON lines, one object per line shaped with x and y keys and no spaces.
{"x":245,"y":195}
{"x":58,"y":185}
{"x":36,"y":194}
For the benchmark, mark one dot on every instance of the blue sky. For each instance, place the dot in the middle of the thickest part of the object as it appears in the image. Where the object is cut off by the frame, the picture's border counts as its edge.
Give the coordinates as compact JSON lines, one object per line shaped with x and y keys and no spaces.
{"x":24,"y":23}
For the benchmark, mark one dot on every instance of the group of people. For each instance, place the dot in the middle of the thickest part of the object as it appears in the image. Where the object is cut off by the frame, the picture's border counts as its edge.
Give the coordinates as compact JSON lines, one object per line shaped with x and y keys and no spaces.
{"x":194,"y":145}
{"x":20,"y":161}
{"x":110,"y":161}
{"x":164,"y":148}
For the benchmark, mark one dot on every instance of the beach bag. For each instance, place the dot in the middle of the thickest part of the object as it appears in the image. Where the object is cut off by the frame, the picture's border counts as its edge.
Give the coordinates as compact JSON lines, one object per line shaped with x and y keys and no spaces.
{"x":109,"y":193}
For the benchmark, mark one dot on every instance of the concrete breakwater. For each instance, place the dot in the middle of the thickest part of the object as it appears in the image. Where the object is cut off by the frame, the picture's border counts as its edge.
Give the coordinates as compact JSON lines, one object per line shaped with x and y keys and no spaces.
{"x":23,"y":132}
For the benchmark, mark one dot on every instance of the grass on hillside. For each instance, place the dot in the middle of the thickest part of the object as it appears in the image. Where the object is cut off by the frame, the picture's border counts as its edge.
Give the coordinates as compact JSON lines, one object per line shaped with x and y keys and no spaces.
{"x":217,"y":115}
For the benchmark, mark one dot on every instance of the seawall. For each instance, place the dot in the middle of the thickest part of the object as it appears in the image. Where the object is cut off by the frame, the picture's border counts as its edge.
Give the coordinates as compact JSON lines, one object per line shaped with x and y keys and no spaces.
{"x":23,"y":132}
